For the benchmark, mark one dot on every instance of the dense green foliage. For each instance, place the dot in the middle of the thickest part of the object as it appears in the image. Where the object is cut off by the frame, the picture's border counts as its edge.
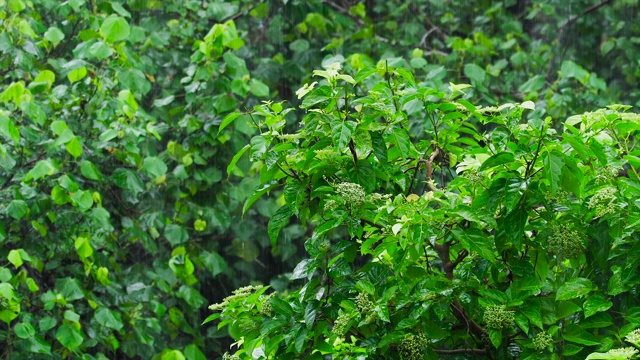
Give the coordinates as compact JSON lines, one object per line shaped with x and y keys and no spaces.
{"x":125,"y":211}
{"x":445,"y":228}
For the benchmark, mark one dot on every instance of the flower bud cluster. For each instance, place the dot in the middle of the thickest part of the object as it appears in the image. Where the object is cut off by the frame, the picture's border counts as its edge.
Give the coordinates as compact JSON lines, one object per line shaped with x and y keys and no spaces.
{"x":375,"y":197}
{"x":497,"y":317}
{"x":352,"y":193}
{"x":561,"y":197}
{"x":605,"y":174}
{"x":228,"y":356}
{"x":366,"y":306}
{"x":413,"y":346}
{"x":363,"y":302}
{"x":565,"y":243}
{"x":474,"y":177}
{"x":623,"y":353}
{"x":267,"y":309}
{"x":602,"y":201}
{"x":542,"y":341}
{"x":634,"y":337}
{"x":340,"y":325}
{"x":238,"y":294}
{"x":324,"y":246}
{"x":330,"y":206}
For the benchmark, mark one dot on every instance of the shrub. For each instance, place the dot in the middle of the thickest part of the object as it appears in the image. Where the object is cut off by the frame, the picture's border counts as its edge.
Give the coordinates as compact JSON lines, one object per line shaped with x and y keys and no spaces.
{"x":441,"y":228}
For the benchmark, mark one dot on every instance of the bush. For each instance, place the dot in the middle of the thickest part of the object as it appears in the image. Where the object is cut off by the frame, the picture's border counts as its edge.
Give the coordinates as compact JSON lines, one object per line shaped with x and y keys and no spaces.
{"x":442,"y":228}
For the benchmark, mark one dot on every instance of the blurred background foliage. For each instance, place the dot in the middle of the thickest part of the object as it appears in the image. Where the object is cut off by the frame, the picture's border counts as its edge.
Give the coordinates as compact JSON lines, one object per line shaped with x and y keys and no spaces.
{"x":118,"y":220}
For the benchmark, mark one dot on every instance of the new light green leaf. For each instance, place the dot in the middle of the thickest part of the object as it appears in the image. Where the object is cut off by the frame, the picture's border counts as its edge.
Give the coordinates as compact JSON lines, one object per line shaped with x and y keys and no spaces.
{"x":154,"y":166}
{"x":114,"y":29}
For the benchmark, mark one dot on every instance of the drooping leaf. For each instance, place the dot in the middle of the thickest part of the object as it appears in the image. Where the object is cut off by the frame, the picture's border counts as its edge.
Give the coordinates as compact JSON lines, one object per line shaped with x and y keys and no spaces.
{"x":277,"y":222}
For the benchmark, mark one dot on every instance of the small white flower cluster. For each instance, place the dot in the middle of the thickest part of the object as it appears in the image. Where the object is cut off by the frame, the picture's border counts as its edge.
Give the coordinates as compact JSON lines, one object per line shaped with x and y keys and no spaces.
{"x":603,"y":201}
{"x":237,"y":294}
{"x":352,"y":193}
{"x":498,"y":317}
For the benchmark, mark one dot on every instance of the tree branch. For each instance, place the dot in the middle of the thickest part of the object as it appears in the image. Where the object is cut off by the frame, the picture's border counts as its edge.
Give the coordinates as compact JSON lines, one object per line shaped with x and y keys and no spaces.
{"x":444,"y":253}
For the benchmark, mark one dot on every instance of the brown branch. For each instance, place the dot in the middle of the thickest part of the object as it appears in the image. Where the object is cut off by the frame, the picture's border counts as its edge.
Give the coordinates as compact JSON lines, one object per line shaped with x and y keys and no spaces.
{"x":371,"y":223}
{"x":563,"y":29}
{"x":444,"y":253}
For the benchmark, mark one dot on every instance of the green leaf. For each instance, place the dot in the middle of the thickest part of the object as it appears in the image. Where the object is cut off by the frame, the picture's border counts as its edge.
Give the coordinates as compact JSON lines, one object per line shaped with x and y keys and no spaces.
{"x":622,"y":354}
{"x":497,"y":160}
{"x":341,"y":133}
{"x":74,"y":147}
{"x":77,"y":74}
{"x":83,"y":199}
{"x":228,"y":120}
{"x":15,"y":258}
{"x":258,"y":88}
{"x":574,"y":288}
{"x":213,"y":262}
{"x":83,"y":247}
{"x":496,"y":337}
{"x":8,"y":129}
{"x":511,"y":229}
{"x":54,"y":35}
{"x":90,"y":171}
{"x":477,"y":242}
{"x":70,"y":336}
{"x":475,"y":73}
{"x":575,"y":334}
{"x":258,"y":147}
{"x":553,"y":165}
{"x":235,"y":159}
{"x":69,"y":288}
{"x":134,"y":80}
{"x":172,"y":355}
{"x":400,"y":140}
{"x":37,"y":345}
{"x":115,"y":28}
{"x":41,"y":169}
{"x":533,"y":84}
{"x":34,"y":111}
{"x":533,"y":313}
{"x":192,"y":352}
{"x":175,"y":234}
{"x":154,"y":166}
{"x":191,"y":296}
{"x":108,"y":318}
{"x":570,"y":69}
{"x":257,"y":194}
{"x":127,"y":179}
{"x":18,"y":209}
{"x":281,"y":307}
{"x":379,"y":146}
{"x":278,"y":221}
{"x":100,"y":50}
{"x":596,"y":303}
